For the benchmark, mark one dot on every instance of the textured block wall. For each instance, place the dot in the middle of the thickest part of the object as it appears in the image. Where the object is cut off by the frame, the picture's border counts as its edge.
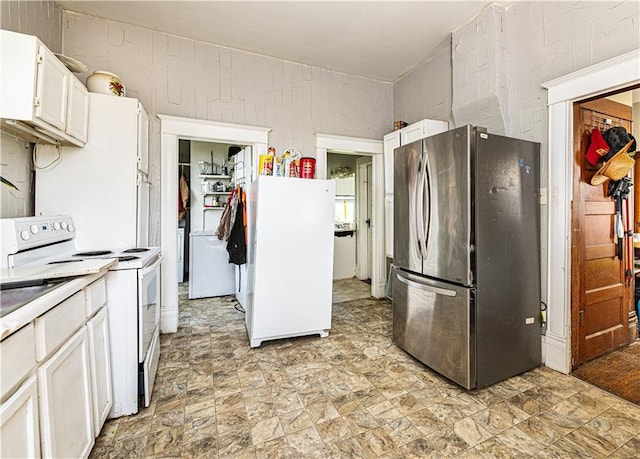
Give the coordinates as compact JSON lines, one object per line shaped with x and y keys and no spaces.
{"x":34,"y":17}
{"x":176,"y":76}
{"x":43,"y":19}
{"x":426,"y":92}
{"x":480,"y":72}
{"x":498,"y":61}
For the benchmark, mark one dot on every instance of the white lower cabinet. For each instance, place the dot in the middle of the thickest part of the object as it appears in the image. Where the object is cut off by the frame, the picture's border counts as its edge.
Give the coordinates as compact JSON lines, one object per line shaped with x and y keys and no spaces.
{"x":19,"y":436}
{"x":98,"y":329}
{"x":66,"y":422}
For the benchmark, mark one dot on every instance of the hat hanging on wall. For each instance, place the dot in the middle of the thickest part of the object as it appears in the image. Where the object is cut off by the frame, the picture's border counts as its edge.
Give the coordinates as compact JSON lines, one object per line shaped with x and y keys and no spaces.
{"x":616,"y":167}
{"x":617,"y":137}
{"x":597,"y":148}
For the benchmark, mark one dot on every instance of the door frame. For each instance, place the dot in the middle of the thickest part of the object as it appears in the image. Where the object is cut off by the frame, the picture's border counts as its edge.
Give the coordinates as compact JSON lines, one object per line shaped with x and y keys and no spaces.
{"x":173,"y":128}
{"x":374,"y":148}
{"x":610,"y":75}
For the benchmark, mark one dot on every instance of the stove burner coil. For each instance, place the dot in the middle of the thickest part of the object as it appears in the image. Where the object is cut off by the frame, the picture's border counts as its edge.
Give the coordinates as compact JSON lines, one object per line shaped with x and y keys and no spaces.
{"x":93,"y":253}
{"x":63,"y":261}
{"x":136,"y":250}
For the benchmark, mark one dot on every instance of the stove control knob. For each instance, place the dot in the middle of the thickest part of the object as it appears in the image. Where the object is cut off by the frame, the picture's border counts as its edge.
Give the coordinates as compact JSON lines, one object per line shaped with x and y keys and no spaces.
{"x":25,"y":235}
{"x":63,"y":225}
{"x":34,"y":229}
{"x":56,"y":226}
{"x":70,"y":228}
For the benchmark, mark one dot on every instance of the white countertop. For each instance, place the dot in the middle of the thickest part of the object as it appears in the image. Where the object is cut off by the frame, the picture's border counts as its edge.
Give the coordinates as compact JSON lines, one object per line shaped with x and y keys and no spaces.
{"x":80,"y":275}
{"x":56,"y":271}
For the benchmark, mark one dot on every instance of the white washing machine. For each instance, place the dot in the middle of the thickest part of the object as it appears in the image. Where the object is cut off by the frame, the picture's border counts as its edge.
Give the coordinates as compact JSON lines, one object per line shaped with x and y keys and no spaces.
{"x":210,"y":273}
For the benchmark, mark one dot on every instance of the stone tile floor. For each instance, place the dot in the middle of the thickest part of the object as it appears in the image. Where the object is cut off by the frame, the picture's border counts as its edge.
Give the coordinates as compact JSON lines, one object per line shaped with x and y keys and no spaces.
{"x":351,"y":395}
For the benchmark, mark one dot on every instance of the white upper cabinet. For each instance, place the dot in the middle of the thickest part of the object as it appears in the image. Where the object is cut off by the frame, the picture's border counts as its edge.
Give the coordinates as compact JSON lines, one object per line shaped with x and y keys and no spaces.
{"x":411,"y":133}
{"x":40,"y":99}
{"x":422,"y":129}
{"x":52,"y":88}
{"x":77,"y":110}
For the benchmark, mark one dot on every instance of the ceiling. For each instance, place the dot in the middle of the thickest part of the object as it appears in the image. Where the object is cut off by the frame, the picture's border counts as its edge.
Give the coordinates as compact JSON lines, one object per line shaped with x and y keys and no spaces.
{"x":381,"y":40}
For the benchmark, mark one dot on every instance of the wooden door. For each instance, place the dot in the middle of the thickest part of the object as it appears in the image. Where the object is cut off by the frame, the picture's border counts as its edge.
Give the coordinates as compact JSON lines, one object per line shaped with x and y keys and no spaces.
{"x":601,"y":296}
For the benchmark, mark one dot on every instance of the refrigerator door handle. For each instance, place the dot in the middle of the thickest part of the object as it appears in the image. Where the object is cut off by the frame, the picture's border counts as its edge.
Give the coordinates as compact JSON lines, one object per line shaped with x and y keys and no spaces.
{"x":429,"y":288}
{"x":426,"y":189}
{"x":419,"y":206}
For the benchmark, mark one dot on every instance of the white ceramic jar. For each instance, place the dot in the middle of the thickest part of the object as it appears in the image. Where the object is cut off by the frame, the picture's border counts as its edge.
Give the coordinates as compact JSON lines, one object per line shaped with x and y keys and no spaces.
{"x":105,"y":83}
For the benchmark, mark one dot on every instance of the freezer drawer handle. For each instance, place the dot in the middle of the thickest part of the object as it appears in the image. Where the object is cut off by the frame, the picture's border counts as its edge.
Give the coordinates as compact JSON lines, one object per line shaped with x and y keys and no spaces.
{"x":439,"y":291}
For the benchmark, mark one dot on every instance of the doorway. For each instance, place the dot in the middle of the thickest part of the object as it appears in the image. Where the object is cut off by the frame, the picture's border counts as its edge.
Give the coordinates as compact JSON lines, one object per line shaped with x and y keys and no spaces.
{"x":604,"y":323}
{"x":374,"y":149}
{"x":603,"y":314}
{"x":353,"y":215}
{"x":604,"y":77}
{"x":172,"y":129}
{"x":207,"y":175}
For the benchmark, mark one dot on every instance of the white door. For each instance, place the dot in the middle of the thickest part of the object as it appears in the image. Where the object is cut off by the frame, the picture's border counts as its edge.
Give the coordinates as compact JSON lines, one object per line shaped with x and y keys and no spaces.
{"x":98,"y":329}
{"x":64,"y":386}
{"x":19,"y":422}
{"x":364,"y":211}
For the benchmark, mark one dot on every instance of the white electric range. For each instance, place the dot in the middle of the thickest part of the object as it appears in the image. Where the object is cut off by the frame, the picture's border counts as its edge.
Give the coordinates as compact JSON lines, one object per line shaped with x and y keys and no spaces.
{"x":44,"y":247}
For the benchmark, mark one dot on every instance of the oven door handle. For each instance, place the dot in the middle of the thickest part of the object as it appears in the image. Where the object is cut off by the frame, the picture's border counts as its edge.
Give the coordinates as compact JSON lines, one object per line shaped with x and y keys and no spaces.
{"x":144,"y":271}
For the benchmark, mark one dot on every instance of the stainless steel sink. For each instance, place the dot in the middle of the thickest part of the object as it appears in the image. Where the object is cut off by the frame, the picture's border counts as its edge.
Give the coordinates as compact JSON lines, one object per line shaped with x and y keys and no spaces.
{"x":15,"y":295}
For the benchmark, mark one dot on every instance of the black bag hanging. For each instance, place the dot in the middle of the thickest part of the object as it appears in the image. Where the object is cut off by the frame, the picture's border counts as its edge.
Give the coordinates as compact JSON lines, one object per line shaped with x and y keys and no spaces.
{"x":236,"y":245}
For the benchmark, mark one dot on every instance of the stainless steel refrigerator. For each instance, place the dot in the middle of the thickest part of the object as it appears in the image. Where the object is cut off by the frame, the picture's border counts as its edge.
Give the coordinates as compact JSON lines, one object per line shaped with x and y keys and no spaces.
{"x":466,"y":276}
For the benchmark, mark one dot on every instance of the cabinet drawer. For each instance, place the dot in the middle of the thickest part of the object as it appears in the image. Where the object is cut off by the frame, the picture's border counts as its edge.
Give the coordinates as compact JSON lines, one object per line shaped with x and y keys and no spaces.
{"x":53,"y":327}
{"x":96,"y":296}
{"x":18,"y":358}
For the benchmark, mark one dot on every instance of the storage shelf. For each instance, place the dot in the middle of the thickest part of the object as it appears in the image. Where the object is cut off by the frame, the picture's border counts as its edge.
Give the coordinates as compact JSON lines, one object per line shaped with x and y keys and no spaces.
{"x":227,"y":177}
{"x":215,"y":192}
{"x":212,"y":207}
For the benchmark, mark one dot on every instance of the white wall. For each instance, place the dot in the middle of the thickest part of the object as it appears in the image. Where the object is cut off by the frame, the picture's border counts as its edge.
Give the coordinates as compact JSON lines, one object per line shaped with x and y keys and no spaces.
{"x":425,"y":92}
{"x":181,"y":77}
{"x":34,"y":17}
{"x":43,"y":19}
{"x":16,"y":167}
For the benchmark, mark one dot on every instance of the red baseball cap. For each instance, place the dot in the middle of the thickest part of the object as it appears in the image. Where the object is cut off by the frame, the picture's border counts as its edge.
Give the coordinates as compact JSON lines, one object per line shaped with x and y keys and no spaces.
{"x":598,"y":147}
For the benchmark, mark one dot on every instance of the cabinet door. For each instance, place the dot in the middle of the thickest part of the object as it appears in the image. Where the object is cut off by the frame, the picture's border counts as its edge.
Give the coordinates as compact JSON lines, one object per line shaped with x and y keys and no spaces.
{"x":77,"y":110}
{"x":19,"y":422}
{"x":412,"y":133}
{"x":100,"y":359}
{"x":391,"y":142}
{"x":143,"y":140}
{"x":51,"y":89}
{"x":64,"y":386}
